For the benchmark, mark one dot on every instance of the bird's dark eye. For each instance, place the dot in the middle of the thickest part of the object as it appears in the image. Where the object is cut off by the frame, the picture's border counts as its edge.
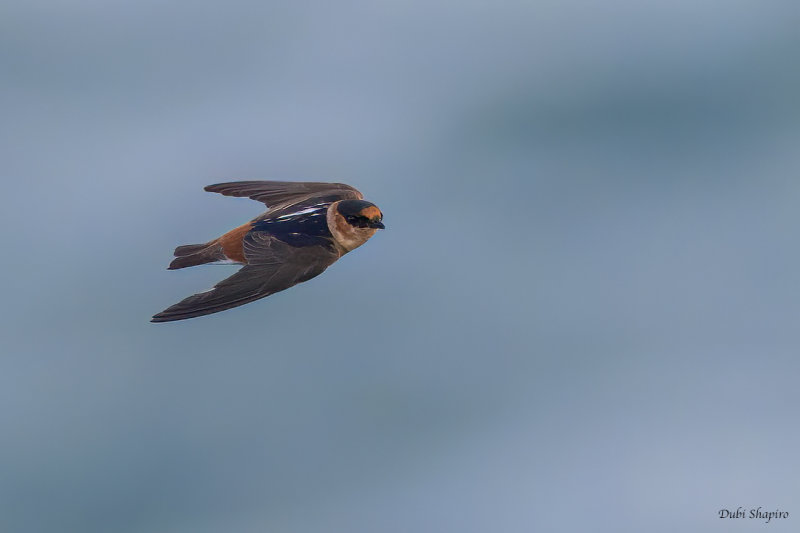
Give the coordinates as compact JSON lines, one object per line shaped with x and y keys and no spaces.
{"x":357,"y":220}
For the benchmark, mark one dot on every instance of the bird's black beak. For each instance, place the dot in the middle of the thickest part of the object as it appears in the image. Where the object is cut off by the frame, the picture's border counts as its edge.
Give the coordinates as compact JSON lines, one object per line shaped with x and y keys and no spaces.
{"x":378,"y":225}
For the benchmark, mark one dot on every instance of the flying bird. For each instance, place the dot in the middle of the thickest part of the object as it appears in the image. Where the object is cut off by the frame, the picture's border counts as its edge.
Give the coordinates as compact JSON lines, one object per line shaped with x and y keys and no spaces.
{"x":306,"y":228}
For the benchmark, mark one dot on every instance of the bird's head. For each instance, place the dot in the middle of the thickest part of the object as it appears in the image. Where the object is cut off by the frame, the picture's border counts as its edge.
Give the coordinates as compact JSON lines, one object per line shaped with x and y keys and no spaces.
{"x":353,"y":222}
{"x":361,"y":214}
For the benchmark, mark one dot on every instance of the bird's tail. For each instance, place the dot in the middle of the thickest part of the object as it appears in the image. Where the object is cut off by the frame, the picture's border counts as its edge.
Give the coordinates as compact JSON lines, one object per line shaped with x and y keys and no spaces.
{"x":197,"y":254}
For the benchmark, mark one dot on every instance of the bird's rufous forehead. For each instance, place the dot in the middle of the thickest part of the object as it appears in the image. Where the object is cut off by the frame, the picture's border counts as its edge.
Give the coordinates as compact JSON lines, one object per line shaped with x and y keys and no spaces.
{"x":371,"y":212}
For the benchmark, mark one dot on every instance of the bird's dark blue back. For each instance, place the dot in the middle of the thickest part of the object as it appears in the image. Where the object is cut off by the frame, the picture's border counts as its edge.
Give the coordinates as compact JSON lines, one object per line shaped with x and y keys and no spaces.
{"x":309,"y":228}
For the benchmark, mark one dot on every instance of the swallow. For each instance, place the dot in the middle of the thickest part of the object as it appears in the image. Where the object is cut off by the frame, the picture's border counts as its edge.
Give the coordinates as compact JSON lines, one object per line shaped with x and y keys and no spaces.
{"x":306,"y":228}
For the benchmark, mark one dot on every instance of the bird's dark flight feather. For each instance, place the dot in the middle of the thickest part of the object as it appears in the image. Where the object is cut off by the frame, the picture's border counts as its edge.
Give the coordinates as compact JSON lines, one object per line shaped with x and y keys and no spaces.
{"x":285,"y":196}
{"x":272,"y":266}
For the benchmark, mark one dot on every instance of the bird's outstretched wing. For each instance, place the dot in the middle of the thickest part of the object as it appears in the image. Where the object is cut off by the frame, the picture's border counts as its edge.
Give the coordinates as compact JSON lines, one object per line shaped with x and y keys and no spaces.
{"x":279,"y":195}
{"x":272,"y":266}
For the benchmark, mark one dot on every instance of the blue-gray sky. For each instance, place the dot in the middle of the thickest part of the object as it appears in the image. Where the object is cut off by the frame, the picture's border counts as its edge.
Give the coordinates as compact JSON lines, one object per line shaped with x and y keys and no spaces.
{"x":583,"y":315}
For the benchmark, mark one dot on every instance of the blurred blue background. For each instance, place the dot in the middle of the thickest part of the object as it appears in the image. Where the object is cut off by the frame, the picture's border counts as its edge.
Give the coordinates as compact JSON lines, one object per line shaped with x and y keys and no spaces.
{"x":583,"y":315}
